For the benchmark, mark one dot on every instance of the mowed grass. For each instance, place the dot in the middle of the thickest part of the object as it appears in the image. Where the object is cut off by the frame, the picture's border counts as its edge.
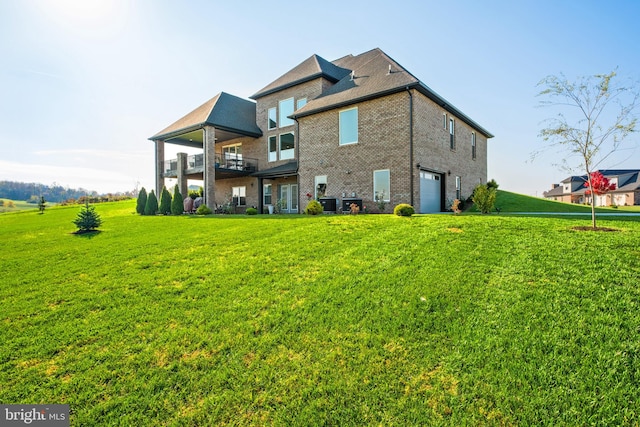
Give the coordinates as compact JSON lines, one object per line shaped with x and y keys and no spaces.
{"x":329,"y":320}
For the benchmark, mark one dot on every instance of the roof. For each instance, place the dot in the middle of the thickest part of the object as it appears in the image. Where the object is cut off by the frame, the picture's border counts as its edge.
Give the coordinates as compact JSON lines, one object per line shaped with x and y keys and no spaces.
{"x":628,"y":180}
{"x":371,"y":75}
{"x":554,"y":192}
{"x":310,"y":69}
{"x":223,"y":111}
{"x":286,"y":169}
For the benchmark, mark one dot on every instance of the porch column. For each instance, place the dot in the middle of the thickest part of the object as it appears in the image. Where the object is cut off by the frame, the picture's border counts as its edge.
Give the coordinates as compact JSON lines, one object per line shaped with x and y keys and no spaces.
{"x":159,"y":167}
{"x":209,"y":146}
{"x":182,"y":177}
{"x":260,"y":196}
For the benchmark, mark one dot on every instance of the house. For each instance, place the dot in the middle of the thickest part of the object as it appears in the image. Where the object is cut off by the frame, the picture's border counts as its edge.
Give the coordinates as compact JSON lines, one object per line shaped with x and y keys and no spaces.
{"x":573,"y":189}
{"x":358,"y":129}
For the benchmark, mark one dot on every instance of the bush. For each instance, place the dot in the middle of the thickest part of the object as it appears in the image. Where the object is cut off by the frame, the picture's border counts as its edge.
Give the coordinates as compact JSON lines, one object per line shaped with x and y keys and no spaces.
{"x":484,"y":198}
{"x":492,"y":184}
{"x":404,"y":209}
{"x":142,"y":201}
{"x":151,"y":208}
{"x":165,"y":202}
{"x":88,"y":219}
{"x":177,"y":204}
{"x":203,"y":210}
{"x":252,"y":211}
{"x":313,"y":208}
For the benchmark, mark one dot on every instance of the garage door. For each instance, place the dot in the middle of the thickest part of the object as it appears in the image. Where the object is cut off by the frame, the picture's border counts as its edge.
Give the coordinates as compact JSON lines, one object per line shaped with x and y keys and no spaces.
{"x":430,"y":192}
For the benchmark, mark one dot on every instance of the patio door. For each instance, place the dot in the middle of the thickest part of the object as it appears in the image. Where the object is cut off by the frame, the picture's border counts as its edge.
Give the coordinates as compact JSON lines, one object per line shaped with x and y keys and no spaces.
{"x":288,"y":198}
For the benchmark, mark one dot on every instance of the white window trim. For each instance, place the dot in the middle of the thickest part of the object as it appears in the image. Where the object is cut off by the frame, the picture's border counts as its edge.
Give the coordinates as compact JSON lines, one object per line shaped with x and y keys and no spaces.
{"x":474,"y":146}
{"x":276,"y":118}
{"x":452,"y":133}
{"x":387,"y":197}
{"x":269,"y":148}
{"x":280,"y":148}
{"x":340,"y":143}
{"x":293,"y":102}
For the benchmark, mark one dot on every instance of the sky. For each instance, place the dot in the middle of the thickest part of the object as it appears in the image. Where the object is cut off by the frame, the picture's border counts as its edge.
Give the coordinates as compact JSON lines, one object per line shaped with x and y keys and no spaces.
{"x":85,"y":83}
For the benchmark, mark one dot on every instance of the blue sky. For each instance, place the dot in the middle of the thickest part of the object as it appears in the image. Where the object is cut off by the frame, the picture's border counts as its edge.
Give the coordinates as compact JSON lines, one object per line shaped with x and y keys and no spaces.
{"x":83,"y":84}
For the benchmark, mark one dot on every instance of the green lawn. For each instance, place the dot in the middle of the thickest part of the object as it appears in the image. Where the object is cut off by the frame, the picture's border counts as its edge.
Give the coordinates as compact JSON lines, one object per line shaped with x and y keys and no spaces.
{"x":329,"y":320}
{"x":17,"y":205}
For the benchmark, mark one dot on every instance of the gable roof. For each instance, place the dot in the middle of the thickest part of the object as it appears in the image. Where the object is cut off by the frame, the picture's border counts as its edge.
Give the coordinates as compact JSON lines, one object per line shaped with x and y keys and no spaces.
{"x":371,"y":75}
{"x":309,"y":69}
{"x":223,"y":111}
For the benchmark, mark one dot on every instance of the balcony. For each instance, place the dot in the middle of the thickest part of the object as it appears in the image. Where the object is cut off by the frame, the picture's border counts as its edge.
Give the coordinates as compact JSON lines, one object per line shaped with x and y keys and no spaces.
{"x":226,"y":165}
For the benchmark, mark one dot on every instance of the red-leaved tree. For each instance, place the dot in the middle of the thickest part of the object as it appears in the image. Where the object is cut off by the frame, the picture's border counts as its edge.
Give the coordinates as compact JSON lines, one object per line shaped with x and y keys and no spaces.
{"x":598,"y":184}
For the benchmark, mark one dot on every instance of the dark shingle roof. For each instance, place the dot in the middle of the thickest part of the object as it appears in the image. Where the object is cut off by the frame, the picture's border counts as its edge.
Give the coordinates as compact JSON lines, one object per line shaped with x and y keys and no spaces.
{"x":373,"y":74}
{"x":311,"y":68}
{"x":224,"y":111}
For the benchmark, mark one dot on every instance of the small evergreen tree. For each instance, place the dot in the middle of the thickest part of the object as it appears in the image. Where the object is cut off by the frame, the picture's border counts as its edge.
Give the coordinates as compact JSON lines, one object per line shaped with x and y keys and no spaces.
{"x":42,"y":204}
{"x":165,"y":202}
{"x":87,"y":219}
{"x":484,"y":198}
{"x":151,"y":208}
{"x":142,"y":201}
{"x":177,"y":204}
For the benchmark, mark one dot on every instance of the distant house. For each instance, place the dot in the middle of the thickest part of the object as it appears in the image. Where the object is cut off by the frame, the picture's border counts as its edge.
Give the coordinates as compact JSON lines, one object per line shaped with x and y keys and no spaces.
{"x":358,"y":128}
{"x":573,"y":189}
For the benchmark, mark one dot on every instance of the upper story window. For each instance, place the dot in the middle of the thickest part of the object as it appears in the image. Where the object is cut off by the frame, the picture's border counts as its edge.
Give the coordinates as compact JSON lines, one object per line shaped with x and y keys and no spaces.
{"x":287,"y":146}
{"x":272,"y":123}
{"x":452,"y":139}
{"x":301,"y":103}
{"x":285,"y":108}
{"x":473,"y":145}
{"x":349,"y":126}
{"x":444,"y":120}
{"x":273,"y":148}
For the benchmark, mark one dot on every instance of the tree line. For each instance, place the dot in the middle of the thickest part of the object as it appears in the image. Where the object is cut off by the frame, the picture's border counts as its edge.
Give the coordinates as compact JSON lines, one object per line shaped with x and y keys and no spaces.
{"x":33,"y":192}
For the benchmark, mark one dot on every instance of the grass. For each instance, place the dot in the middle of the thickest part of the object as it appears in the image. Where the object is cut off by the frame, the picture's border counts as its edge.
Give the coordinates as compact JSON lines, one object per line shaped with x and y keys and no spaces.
{"x":329,"y":320}
{"x":509,"y":202}
{"x":18,"y":205}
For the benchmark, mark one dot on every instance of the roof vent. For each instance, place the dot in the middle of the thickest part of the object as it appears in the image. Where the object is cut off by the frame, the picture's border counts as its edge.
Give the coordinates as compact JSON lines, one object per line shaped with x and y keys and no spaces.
{"x":389,"y":72}
{"x":353,"y":75}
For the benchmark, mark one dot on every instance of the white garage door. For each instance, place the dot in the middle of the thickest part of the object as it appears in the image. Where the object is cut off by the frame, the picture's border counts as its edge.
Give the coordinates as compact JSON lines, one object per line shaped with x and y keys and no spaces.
{"x":430,"y":192}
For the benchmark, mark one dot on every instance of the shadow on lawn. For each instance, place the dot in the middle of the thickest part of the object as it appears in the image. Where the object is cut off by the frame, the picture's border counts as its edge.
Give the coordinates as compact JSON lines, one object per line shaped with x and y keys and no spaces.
{"x":87,"y":234}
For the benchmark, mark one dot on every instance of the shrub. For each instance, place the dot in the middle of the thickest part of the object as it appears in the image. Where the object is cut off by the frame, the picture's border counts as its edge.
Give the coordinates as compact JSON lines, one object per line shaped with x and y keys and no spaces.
{"x":42,"y":204}
{"x":165,"y":202}
{"x":484,"y":198}
{"x":142,"y":201}
{"x":151,"y":208}
{"x":177,"y":204}
{"x":252,"y":211}
{"x":203,"y":210}
{"x":492,"y":184}
{"x":313,"y":208}
{"x":87,"y":219}
{"x":404,"y":209}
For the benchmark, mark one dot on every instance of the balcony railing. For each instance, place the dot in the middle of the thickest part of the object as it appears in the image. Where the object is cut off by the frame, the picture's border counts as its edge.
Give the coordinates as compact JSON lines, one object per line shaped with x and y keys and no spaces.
{"x":223,"y":162}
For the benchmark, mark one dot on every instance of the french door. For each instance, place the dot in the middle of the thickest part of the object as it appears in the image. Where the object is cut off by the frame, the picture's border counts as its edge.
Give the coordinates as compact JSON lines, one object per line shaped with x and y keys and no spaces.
{"x":288,"y":198}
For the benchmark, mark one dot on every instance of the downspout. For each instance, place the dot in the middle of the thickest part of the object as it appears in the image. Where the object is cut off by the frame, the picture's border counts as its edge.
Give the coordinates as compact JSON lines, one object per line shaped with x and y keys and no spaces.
{"x":410,"y":145}
{"x":297,"y":139}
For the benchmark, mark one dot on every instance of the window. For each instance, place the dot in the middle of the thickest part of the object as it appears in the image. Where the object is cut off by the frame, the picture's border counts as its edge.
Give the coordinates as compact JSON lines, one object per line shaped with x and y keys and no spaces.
{"x":382,"y":185}
{"x":273,"y":149}
{"x":239,"y":196}
{"x":272,"y":124}
{"x":458,"y":188}
{"x":287,"y":144}
{"x":266,"y":194}
{"x":232,"y":156}
{"x":473,"y":145}
{"x":452,"y":140}
{"x":320,"y":186}
{"x":286,"y":109}
{"x":444,"y":121}
{"x":301,"y":103}
{"x":349,"y":126}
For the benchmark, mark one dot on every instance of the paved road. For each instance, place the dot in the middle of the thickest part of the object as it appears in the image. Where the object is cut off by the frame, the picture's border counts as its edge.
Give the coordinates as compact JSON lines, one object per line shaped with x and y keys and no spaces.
{"x":598,"y":214}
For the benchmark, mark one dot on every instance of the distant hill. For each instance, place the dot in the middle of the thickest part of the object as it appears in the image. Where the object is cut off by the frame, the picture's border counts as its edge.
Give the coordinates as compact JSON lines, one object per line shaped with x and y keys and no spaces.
{"x":32,"y":191}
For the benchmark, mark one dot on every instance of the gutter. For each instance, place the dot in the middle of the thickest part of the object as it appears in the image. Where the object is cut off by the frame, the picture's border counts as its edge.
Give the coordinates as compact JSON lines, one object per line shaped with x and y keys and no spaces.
{"x":410,"y":144}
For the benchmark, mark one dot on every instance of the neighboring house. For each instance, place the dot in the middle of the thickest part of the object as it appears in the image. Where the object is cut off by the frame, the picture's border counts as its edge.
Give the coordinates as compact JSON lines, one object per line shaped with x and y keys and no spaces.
{"x":573,"y":190}
{"x":361,"y":127}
